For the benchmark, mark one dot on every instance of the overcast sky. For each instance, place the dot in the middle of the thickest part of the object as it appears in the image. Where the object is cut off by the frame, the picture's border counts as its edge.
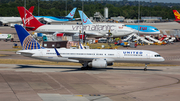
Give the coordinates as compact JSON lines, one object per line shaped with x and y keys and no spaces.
{"x":166,"y":1}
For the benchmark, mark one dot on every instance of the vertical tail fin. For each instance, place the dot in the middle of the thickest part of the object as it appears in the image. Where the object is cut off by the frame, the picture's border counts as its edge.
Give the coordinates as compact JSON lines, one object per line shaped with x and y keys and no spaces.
{"x":84,"y":18}
{"x":71,"y":14}
{"x":177,"y":15}
{"x":27,"y":41}
{"x":31,"y":9}
{"x":81,"y":46}
{"x":30,"y":22}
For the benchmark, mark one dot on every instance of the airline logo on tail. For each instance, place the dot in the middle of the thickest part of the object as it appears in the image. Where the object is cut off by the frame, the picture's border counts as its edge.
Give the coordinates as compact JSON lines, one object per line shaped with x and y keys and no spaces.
{"x":28,"y":19}
{"x":84,"y":18}
{"x":71,"y":14}
{"x":27,"y":41}
{"x":176,"y":14}
{"x":85,"y":21}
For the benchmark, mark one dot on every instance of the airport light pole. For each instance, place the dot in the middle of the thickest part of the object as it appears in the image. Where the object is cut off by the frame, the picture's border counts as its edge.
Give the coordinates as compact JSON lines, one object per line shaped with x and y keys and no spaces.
{"x":138,"y":16}
{"x":25,"y":14}
{"x":38,"y":7}
{"x":66,"y":7}
{"x":82,"y":21}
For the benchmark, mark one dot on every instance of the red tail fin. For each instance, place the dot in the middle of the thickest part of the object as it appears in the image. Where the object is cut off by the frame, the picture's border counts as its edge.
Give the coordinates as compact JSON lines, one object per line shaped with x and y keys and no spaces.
{"x":31,"y":9}
{"x":176,"y":14}
{"x":30,"y":22}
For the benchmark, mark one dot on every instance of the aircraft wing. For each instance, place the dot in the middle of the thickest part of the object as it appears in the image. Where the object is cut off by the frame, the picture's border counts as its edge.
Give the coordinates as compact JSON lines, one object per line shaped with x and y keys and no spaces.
{"x":4,"y":22}
{"x":75,"y":58}
{"x":81,"y":59}
{"x":24,"y":53}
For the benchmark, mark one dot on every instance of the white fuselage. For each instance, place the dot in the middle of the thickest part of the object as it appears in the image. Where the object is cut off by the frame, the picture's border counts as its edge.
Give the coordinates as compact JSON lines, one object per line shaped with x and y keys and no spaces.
{"x":98,"y":30}
{"x":6,"y":20}
{"x":78,"y":55}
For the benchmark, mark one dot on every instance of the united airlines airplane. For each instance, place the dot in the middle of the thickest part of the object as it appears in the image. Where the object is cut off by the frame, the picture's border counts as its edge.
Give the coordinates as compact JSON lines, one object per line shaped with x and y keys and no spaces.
{"x":92,"y":30}
{"x":97,"y":58}
{"x":143,"y":29}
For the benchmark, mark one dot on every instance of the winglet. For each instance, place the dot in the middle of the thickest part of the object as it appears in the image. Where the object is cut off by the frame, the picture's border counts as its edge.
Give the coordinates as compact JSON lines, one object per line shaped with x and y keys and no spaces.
{"x":58,"y":54}
{"x":31,"y":9}
{"x":71,"y":14}
{"x":84,"y":18}
{"x":81,"y":46}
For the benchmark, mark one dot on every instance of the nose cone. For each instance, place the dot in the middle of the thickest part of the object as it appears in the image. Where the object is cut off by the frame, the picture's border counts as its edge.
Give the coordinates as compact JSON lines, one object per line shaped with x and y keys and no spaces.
{"x":162,"y":59}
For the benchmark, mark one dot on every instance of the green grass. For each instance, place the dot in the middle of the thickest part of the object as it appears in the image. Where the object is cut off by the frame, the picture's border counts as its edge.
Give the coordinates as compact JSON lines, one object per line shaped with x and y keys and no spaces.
{"x":1,"y":55}
{"x":96,"y":45}
{"x":11,"y":50}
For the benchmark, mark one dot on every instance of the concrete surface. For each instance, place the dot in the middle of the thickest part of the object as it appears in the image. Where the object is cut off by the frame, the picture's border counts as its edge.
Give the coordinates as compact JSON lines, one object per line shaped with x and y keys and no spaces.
{"x":70,"y":83}
{"x":45,"y":83}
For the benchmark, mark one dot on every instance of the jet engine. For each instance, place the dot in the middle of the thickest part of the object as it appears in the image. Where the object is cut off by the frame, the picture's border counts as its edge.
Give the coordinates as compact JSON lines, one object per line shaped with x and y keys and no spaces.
{"x":98,"y":63}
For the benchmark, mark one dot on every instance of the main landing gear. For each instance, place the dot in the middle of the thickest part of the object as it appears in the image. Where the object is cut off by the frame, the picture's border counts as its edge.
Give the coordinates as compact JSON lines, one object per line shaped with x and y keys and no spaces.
{"x":85,"y":66}
{"x":145,"y":69}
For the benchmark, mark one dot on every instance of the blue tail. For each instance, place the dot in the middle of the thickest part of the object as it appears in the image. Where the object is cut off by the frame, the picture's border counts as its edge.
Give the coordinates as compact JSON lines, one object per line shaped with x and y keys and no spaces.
{"x":81,"y":46}
{"x":71,"y":14}
{"x":27,"y":41}
{"x":84,"y":18}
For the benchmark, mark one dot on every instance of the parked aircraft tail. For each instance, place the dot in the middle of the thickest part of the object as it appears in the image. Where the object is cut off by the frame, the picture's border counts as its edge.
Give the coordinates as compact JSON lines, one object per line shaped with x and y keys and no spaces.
{"x":84,"y":18}
{"x":27,"y":41}
{"x":177,"y":15}
{"x":30,"y":22}
{"x":71,"y":14}
{"x":31,"y":9}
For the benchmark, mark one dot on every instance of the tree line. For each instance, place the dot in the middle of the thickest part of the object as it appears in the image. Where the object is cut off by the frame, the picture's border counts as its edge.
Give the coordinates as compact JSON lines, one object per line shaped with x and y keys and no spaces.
{"x":58,"y":8}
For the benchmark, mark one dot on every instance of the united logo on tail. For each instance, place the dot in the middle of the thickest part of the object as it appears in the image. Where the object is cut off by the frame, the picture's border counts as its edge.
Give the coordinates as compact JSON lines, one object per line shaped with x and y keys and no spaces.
{"x":177,"y":16}
{"x":27,"y":41}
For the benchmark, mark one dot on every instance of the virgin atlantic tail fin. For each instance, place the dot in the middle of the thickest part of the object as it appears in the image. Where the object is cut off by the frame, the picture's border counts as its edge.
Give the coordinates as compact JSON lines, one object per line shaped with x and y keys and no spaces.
{"x":28,"y":20}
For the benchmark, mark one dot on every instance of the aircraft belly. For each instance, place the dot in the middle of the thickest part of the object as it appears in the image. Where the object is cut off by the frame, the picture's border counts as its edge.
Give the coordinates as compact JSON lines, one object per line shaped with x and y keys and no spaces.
{"x":55,"y":59}
{"x":137,"y":60}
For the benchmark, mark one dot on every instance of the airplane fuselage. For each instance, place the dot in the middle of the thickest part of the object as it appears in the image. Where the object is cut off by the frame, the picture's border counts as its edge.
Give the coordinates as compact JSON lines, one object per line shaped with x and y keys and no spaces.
{"x":78,"y":55}
{"x":144,"y":29}
{"x":6,"y":20}
{"x":90,"y":30}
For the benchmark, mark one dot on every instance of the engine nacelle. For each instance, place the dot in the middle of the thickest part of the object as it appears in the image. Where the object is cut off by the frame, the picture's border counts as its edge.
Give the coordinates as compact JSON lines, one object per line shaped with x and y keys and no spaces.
{"x":98,"y":63}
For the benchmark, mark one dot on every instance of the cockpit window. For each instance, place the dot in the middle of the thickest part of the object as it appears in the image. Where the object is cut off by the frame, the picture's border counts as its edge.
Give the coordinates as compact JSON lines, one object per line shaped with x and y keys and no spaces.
{"x":157,"y":55}
{"x":155,"y":29}
{"x":123,"y":25}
